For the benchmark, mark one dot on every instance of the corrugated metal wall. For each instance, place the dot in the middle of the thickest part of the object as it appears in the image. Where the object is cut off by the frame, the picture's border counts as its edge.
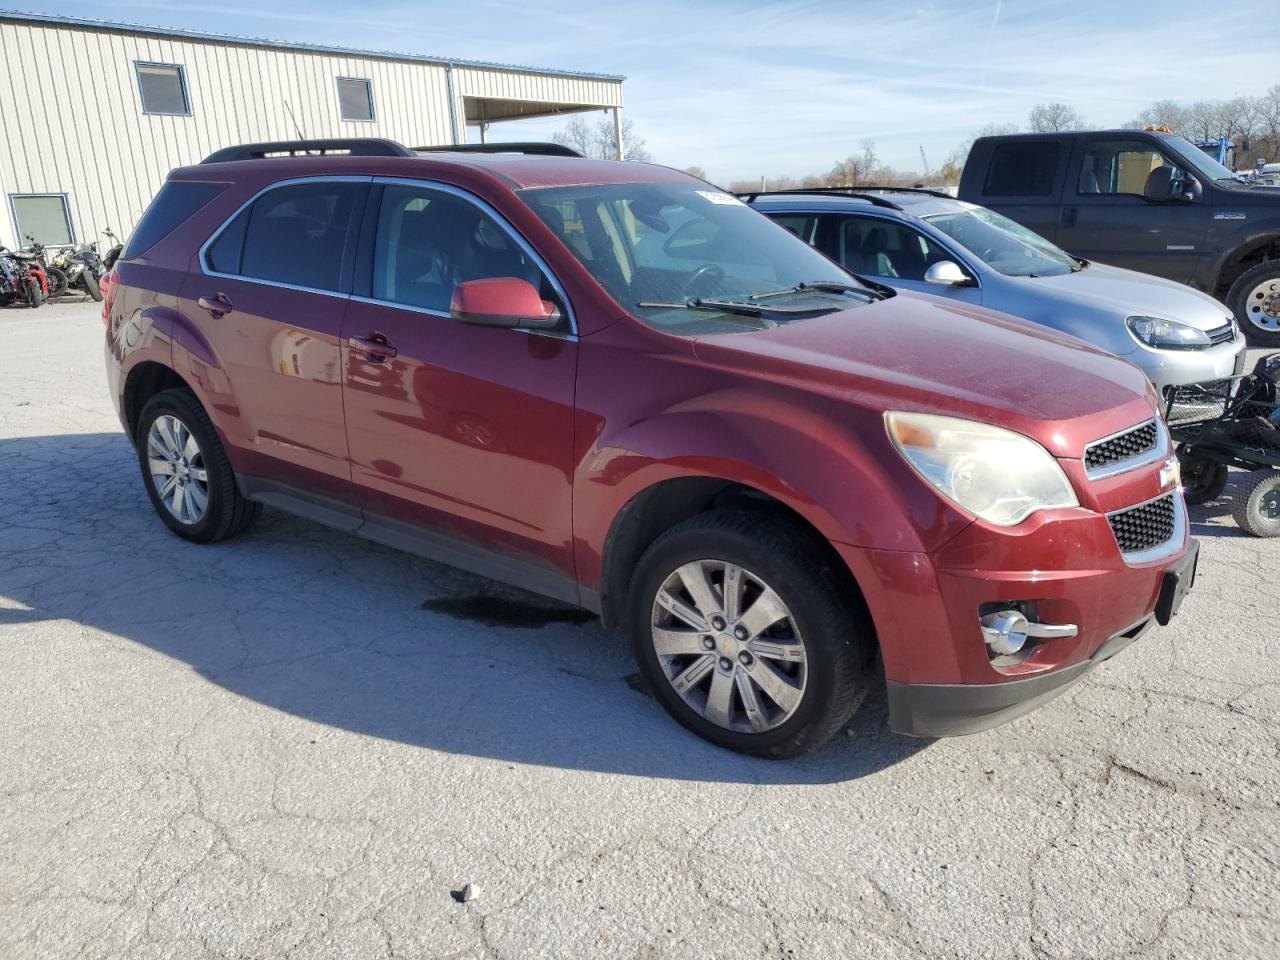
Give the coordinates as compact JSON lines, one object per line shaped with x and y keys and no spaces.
{"x":76,"y":124}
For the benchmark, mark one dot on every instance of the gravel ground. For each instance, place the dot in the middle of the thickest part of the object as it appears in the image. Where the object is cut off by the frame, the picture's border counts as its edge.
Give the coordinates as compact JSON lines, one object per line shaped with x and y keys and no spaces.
{"x":272,"y":748}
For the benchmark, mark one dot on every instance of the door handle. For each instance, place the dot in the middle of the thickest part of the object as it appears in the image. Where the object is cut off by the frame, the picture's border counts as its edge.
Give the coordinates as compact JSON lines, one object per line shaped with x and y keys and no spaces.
{"x":375,"y":347}
{"x":1069,"y":215}
{"x":218,"y":305}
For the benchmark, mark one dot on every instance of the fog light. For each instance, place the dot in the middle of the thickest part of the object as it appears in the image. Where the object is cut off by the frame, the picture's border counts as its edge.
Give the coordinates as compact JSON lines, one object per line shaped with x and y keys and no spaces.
{"x":1005,"y":632}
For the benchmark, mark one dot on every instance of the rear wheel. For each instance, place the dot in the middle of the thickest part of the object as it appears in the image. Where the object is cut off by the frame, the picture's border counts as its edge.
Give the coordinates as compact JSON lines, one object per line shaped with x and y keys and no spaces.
{"x":186,"y":471}
{"x":1255,"y":300}
{"x":1256,"y":507}
{"x":1202,"y":479}
{"x":744,"y":636}
{"x":33,"y":293}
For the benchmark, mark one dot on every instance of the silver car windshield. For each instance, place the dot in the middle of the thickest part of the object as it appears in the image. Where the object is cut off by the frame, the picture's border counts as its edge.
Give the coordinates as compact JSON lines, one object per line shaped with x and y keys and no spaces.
{"x":690,"y":259}
{"x":1003,"y":245}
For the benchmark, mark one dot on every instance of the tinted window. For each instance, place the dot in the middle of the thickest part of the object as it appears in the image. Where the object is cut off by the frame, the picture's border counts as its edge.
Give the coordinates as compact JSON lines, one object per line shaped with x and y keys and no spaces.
{"x":355,"y":99}
{"x":223,"y":254}
{"x":802,"y":225}
{"x":1022,"y":169}
{"x":1120,"y":166}
{"x":429,"y":241}
{"x":173,"y":205}
{"x":163,"y":88}
{"x":882,"y":248}
{"x":298,"y":234}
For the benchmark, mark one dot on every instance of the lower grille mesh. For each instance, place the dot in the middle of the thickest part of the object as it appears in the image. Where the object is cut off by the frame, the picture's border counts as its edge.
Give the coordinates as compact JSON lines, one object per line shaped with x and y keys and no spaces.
{"x":1144,"y":526}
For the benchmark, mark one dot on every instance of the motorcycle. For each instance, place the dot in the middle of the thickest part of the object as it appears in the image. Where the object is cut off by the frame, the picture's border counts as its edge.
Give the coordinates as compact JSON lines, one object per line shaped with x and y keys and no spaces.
{"x":55,"y":277}
{"x":81,"y":267}
{"x":113,"y":253}
{"x":21,"y":277}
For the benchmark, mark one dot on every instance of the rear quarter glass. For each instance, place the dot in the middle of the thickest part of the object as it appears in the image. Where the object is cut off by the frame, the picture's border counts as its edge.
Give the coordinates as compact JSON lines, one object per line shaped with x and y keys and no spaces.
{"x":177,"y":202}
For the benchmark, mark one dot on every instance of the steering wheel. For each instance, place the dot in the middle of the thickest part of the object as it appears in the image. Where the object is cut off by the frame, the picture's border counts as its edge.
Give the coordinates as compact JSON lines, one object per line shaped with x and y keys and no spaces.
{"x":708,"y":271}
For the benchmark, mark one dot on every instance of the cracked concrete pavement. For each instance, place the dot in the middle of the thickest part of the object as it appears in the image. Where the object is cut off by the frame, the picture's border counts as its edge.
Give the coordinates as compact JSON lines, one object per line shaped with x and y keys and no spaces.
{"x":270,"y":749}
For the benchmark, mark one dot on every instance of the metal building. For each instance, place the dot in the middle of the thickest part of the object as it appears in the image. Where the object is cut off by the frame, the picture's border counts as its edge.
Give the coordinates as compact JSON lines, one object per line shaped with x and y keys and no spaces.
{"x":112,"y":108}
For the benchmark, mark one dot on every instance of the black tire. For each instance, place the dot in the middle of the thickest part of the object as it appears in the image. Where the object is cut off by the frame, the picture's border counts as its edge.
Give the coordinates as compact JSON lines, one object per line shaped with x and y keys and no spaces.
{"x":1256,"y":507}
{"x":227,"y":513}
{"x":1202,"y":479}
{"x":1248,"y":310}
{"x":33,"y":293}
{"x":57,"y":282}
{"x":838,"y":639}
{"x":91,"y":285}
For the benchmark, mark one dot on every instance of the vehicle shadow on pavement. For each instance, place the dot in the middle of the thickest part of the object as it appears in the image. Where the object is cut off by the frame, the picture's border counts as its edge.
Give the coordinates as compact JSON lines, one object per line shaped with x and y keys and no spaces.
{"x":332,"y":629}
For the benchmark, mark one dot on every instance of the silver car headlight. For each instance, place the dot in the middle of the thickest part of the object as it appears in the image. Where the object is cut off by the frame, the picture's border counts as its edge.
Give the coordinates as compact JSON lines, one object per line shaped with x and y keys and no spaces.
{"x":1166,"y":334}
{"x":992,"y":473}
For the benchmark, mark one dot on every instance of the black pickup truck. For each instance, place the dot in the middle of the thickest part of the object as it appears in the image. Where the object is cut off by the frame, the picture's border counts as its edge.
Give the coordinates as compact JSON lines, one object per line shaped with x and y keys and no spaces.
{"x":1143,"y":199}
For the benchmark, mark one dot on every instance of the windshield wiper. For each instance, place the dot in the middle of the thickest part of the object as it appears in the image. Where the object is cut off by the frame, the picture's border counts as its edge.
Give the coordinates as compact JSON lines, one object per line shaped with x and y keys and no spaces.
{"x":718,"y":306}
{"x":868,"y":290}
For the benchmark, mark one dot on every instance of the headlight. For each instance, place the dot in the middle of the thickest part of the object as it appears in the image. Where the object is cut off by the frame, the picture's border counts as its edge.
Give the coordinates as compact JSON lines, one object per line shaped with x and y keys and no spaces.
{"x":1167,"y":335}
{"x":996,"y":474}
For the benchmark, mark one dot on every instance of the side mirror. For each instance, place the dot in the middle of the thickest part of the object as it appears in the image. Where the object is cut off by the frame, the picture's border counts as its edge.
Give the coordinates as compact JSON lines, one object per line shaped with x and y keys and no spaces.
{"x":502,"y":302}
{"x":1191,"y":189}
{"x":946,"y":273}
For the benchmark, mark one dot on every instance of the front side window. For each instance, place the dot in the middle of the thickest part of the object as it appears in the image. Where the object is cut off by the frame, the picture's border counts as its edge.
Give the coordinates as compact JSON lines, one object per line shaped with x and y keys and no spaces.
{"x":1026,"y":169}
{"x":689,"y":259}
{"x":43,"y":216}
{"x":1003,"y":245}
{"x":882,"y":248}
{"x":429,"y":241}
{"x":355,"y":99}
{"x":163,"y":88}
{"x":1121,"y":167}
{"x":294,"y":235}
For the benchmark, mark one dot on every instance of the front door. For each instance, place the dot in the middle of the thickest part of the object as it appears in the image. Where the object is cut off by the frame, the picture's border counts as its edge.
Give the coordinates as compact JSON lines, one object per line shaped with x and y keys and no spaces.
{"x":461,"y":436}
{"x":270,"y":296}
{"x":1106,"y":218}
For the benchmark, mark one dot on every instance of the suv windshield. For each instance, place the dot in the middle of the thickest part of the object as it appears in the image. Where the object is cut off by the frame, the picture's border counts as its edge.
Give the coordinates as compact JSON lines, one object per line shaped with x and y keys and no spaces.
{"x":1004,"y":245}
{"x":690,"y":259}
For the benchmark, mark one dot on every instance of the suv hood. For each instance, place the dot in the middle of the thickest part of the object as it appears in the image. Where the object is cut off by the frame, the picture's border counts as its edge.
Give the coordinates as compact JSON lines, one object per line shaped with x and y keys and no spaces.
{"x":1127,"y":293}
{"x":920,"y":353}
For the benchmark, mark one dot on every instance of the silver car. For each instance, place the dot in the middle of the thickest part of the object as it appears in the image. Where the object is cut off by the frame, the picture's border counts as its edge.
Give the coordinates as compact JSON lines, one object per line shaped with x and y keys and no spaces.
{"x":932,"y":243}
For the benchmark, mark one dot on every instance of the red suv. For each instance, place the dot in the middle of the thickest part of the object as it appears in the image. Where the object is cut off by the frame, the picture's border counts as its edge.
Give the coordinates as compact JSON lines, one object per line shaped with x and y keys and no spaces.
{"x":618,"y":386}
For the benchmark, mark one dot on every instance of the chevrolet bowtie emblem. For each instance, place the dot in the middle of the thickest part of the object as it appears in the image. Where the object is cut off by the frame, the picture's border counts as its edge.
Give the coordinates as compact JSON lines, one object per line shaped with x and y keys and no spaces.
{"x":1170,"y":474}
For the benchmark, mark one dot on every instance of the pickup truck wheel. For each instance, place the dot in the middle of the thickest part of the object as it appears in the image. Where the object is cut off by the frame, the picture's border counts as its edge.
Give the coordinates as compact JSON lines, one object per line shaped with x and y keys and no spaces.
{"x":1256,"y":507}
{"x":186,"y":471}
{"x":1255,"y":300}
{"x":744,"y":635}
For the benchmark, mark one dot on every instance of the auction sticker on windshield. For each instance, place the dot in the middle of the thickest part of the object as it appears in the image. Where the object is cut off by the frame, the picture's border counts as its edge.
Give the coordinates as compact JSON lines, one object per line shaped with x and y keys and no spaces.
{"x":716,"y":196}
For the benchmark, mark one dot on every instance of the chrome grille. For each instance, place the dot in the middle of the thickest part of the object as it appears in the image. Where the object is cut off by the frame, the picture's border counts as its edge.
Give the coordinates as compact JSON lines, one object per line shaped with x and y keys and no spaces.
{"x":1222,"y":334}
{"x":1145,"y":526}
{"x":1121,"y":448}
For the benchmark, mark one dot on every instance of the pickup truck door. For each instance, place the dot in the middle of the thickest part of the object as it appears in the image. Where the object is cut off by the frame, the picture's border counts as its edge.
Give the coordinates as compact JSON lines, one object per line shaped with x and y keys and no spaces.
{"x":1022,"y":179}
{"x":1106,"y":218}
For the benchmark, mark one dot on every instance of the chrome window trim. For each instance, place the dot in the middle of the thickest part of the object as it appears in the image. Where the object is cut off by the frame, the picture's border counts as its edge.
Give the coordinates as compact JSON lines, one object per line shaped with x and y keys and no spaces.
{"x":510,"y":230}
{"x":1161,"y":550}
{"x":1159,"y":452}
{"x":203,"y":259}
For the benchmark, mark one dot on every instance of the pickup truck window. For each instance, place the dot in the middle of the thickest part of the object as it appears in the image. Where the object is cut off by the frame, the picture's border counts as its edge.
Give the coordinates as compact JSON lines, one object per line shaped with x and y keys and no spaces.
{"x":1004,"y":245}
{"x":1023,"y":169}
{"x":1120,"y":167}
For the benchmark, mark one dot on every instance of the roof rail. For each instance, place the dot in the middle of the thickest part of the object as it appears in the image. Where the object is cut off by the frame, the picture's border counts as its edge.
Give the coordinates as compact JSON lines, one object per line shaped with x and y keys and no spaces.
{"x":349,"y":146}
{"x":530,"y":147}
{"x":931,"y":191}
{"x":871,"y":198}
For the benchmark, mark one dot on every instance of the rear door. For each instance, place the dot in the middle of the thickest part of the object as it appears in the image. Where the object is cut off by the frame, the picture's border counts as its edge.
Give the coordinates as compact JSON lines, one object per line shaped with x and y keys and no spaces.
{"x":461,"y":436}
{"x":1023,"y":179}
{"x":270,"y":292}
{"x":1106,"y":218}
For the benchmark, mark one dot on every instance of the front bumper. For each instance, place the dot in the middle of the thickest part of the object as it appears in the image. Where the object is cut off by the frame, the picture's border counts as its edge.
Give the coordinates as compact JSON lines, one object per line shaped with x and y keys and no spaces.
{"x":1176,"y":368}
{"x":927,"y":609}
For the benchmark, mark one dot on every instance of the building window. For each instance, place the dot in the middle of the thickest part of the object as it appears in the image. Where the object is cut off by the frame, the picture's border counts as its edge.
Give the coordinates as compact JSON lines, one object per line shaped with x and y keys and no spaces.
{"x":45,"y":216}
{"x":163,"y":87}
{"x":355,"y":99}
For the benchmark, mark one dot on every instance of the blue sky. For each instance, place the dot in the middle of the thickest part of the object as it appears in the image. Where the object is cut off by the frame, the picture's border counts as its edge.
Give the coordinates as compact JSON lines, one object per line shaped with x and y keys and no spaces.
{"x":747,"y":89}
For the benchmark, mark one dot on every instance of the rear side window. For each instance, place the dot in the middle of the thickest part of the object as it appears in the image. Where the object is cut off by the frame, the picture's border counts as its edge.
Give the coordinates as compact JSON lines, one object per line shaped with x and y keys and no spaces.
{"x":1023,"y":169}
{"x":295,"y":235}
{"x":176,"y":202}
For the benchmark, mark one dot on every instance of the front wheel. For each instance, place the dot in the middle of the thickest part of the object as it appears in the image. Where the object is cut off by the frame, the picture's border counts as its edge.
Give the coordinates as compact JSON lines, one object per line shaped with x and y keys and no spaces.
{"x":33,"y":294}
{"x":186,"y":471}
{"x":744,"y":635}
{"x":91,"y":285}
{"x":57,"y":281}
{"x":1255,"y":300}
{"x":1202,"y":479}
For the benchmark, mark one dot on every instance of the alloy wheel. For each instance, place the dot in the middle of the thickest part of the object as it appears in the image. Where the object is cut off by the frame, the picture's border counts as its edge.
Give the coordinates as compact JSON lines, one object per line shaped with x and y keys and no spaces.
{"x":729,"y":646}
{"x":177,"y":469}
{"x":1262,"y":306}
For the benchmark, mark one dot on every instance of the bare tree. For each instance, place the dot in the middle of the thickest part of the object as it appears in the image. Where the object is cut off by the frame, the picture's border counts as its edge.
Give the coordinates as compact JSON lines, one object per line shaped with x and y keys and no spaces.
{"x":856,"y":169}
{"x":696,"y":171}
{"x":1052,"y":117}
{"x":598,"y":142}
{"x":1162,"y":113}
